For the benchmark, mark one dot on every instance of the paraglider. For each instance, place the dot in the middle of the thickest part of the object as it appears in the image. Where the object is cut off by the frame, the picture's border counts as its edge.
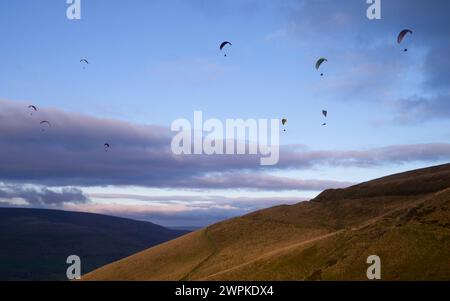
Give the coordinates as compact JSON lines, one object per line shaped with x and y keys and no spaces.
{"x":33,"y":109}
{"x":85,"y":62}
{"x":325,"y":114}
{"x":402,"y":35}
{"x":223,"y":44}
{"x":319,"y":63}
{"x":107,"y":146}
{"x":284,"y":122}
{"x":45,"y":124}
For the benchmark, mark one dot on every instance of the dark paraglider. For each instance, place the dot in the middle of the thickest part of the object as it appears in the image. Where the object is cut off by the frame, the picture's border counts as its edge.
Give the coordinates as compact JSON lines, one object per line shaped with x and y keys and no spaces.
{"x":44,"y":125}
{"x":33,"y":109}
{"x":402,"y":35}
{"x":223,"y":44}
{"x":284,"y":122}
{"x":325,"y":114}
{"x":319,"y":63}
{"x":85,"y":62}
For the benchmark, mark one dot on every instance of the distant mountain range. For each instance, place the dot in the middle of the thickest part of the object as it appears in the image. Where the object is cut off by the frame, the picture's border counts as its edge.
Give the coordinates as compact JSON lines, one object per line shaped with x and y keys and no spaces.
{"x":35,"y":243}
{"x":404,"y":219}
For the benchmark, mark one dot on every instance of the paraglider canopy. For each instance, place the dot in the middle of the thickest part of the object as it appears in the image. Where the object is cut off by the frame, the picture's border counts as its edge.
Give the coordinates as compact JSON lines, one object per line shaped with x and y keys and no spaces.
{"x":107,"y":146}
{"x":325,"y":114}
{"x":44,"y":124}
{"x":320,"y":62}
{"x":283,"y":122}
{"x":402,"y":35}
{"x":33,"y":109}
{"x":223,"y":44}
{"x":85,"y":62}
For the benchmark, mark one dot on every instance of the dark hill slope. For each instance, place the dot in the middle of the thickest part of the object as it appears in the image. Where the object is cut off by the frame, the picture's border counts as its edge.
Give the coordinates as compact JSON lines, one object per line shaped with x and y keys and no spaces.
{"x":35,"y":243}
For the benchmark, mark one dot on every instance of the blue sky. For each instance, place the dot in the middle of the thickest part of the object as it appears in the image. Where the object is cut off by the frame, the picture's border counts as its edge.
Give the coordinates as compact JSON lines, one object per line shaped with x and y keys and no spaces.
{"x":155,"y":61}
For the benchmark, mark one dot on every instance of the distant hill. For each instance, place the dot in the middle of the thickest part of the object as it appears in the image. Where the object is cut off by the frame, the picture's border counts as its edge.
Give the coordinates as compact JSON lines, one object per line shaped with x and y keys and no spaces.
{"x":35,"y":243}
{"x":186,"y":228}
{"x":404,"y":219}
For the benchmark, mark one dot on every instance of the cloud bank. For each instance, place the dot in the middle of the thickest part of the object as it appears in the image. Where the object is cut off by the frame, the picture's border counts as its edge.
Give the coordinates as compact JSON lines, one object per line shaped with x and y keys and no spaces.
{"x":40,"y":196}
{"x":71,"y":153}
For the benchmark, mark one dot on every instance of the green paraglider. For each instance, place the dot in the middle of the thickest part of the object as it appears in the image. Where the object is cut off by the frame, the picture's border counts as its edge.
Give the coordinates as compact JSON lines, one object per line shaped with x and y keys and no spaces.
{"x":284,"y":122}
{"x":319,"y":63}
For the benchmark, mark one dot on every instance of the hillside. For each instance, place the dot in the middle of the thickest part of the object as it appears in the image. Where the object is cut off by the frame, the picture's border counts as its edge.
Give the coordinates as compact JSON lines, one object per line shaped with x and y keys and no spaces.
{"x":35,"y":243}
{"x":404,"y":219}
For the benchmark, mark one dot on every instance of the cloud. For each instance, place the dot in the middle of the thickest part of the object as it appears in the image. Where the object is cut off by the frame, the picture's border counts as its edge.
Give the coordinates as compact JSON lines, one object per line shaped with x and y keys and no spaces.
{"x":308,"y":19}
{"x":434,"y":104}
{"x":437,"y":68}
{"x":239,"y":180}
{"x":174,"y":211}
{"x":394,"y":154}
{"x":197,"y":200}
{"x":40,"y":196}
{"x":421,"y":109}
{"x":71,"y":153}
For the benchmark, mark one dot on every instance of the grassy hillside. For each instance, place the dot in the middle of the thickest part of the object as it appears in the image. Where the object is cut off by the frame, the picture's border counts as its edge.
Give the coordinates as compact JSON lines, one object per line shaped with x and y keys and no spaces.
{"x":34,"y":244}
{"x":404,"y":219}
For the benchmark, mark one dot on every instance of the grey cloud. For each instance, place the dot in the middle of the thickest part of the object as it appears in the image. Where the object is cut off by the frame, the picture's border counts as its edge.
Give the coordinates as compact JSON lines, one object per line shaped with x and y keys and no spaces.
{"x":437,"y":68}
{"x":71,"y":153}
{"x":436,"y":104}
{"x":398,"y":154}
{"x":41,"y":196}
{"x":202,"y":201}
{"x":200,"y":210}
{"x":236,"y":180}
{"x":429,"y":19}
{"x":420,"y":109}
